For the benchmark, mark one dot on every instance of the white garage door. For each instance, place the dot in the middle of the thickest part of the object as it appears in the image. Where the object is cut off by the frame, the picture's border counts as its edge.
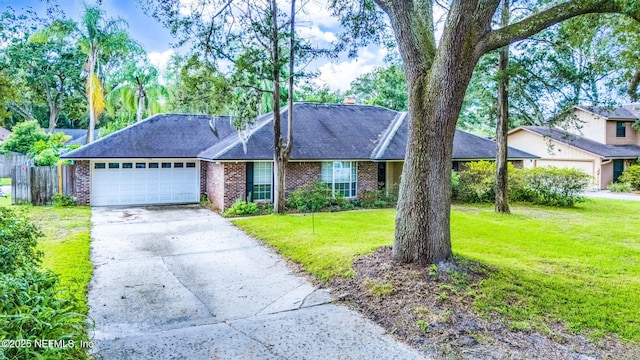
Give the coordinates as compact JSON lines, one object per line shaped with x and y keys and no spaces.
{"x":586,"y":166}
{"x":144,"y":182}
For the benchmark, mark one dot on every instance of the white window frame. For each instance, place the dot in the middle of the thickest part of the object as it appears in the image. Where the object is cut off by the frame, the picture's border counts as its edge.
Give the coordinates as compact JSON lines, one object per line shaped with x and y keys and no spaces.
{"x":336,"y":167}
{"x":261,"y":178}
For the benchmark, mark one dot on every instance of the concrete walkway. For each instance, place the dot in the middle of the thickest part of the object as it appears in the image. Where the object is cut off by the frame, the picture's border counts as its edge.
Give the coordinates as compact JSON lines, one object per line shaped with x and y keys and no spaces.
{"x":183,"y":283}
{"x":606,"y":194}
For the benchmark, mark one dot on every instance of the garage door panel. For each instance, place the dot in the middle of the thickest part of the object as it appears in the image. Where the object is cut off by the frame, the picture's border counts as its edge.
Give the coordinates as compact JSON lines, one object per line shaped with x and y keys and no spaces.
{"x":144,"y":184}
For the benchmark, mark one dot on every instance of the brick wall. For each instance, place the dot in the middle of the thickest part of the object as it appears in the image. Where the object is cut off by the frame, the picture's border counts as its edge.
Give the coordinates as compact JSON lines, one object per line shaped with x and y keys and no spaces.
{"x":82,"y":189}
{"x":214,"y":183}
{"x":235,"y":183}
{"x":301,"y":173}
{"x":203,"y":178}
{"x":367,"y":176}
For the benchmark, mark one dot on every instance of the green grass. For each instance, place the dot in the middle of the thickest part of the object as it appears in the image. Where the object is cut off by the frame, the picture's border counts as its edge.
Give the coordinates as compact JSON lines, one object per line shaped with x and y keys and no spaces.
{"x":65,"y":246}
{"x":5,"y":181}
{"x":577,"y":266}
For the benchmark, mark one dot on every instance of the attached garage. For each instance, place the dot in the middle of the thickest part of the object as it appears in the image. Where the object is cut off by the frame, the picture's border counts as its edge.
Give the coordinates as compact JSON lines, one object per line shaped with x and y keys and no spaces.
{"x":144,"y":181}
{"x":586,"y":166}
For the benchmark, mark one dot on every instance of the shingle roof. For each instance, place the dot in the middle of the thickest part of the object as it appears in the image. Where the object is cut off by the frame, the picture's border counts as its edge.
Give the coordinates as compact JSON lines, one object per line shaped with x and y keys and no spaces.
{"x":466,"y":146}
{"x":165,"y":135}
{"x":321,"y":132}
{"x":602,"y":150}
{"x":78,"y":136}
{"x":618,"y":113}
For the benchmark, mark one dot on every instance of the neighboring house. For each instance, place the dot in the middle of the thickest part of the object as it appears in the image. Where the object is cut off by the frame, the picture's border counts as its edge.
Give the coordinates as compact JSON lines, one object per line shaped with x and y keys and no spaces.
{"x":4,"y":134}
{"x":176,"y":158}
{"x":603,"y":146}
{"x":78,"y":136}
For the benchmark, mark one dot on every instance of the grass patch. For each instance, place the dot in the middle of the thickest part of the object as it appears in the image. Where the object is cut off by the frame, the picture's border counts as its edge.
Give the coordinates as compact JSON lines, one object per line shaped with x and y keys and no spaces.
{"x":337,"y":240}
{"x":5,"y":181}
{"x":577,"y":266}
{"x":66,"y":246}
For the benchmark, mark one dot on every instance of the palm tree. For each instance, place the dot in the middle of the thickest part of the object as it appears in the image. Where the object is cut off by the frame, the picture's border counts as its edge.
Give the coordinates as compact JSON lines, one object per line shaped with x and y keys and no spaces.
{"x":138,"y":91}
{"x":100,"y":40}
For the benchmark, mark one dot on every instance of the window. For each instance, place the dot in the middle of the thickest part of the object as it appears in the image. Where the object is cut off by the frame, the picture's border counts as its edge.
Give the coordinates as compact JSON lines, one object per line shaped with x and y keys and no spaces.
{"x":262,"y":177}
{"x":98,"y":166}
{"x":621,"y":129}
{"x":114,"y":165}
{"x":153,"y":165}
{"x":191,"y":165}
{"x":127,"y":165}
{"x":341,"y":176}
{"x":166,"y":165}
{"x":140,"y":165}
{"x":178,"y":165}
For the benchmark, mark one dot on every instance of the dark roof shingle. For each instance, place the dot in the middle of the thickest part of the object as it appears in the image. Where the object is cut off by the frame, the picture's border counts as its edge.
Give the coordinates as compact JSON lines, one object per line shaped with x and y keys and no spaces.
{"x":619,"y":112}
{"x":602,"y":150}
{"x":321,"y":132}
{"x":160,"y":136}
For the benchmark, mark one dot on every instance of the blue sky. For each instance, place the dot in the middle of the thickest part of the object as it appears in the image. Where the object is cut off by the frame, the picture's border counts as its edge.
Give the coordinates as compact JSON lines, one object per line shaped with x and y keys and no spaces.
{"x":316,"y":25}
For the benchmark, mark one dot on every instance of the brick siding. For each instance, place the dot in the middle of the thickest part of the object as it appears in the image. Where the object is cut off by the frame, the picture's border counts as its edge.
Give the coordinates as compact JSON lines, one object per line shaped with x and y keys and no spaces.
{"x":367,"y":176}
{"x":300,"y":174}
{"x":235,"y":183}
{"x":214,"y":183}
{"x":203,"y":178}
{"x":82,"y":189}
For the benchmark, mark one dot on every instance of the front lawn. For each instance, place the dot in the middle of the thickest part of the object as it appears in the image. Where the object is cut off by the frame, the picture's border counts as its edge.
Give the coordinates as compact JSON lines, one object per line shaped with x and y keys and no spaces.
{"x":578,"y":266}
{"x":65,"y":245}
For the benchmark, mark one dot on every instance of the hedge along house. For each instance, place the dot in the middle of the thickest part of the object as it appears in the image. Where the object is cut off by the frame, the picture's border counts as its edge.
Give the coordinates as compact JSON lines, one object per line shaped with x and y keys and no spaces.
{"x":177,"y":158}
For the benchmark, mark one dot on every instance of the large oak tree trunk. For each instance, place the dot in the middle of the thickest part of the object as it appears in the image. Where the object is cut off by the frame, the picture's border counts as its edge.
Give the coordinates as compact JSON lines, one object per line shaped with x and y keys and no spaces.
{"x":502,"y":125}
{"x":422,"y":232}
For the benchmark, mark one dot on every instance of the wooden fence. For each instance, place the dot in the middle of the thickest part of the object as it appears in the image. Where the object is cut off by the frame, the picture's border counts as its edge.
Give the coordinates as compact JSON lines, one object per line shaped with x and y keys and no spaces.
{"x":10,"y":161}
{"x":38,"y":184}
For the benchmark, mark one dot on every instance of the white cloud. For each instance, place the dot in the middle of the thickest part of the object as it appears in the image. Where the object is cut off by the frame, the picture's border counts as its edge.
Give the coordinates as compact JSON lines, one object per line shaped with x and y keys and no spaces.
{"x":160,"y":59}
{"x":317,"y":12}
{"x":339,"y":76}
{"x":314,"y":33}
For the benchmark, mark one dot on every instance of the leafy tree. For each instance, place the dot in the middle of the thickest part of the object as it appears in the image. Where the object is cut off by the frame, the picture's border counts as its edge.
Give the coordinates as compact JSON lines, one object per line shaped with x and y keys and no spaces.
{"x":323,"y":95}
{"x":136,"y":91}
{"x":24,"y":135}
{"x":438,"y":74}
{"x":384,"y":87}
{"x":100,"y":40}
{"x":197,"y":87}
{"x":49,"y":62}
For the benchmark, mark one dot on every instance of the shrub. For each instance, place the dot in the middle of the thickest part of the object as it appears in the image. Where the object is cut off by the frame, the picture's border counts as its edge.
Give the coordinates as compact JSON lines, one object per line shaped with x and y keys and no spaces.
{"x":24,"y":136}
{"x":477,"y":182}
{"x":311,"y":197}
{"x":379,"y":198}
{"x":556,"y":187}
{"x":631,"y":175}
{"x":455,"y":183}
{"x":47,"y":157}
{"x":619,"y":187}
{"x":31,"y":307}
{"x":241,"y":207}
{"x":18,"y":241}
{"x":63,"y":200}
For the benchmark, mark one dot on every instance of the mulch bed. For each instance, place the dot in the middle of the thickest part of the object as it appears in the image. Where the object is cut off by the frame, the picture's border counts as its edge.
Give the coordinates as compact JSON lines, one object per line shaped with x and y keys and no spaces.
{"x":431,"y":309}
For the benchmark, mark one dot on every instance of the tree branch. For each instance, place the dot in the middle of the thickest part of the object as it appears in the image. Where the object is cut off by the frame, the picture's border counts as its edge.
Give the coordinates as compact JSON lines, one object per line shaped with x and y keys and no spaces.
{"x":535,"y":23}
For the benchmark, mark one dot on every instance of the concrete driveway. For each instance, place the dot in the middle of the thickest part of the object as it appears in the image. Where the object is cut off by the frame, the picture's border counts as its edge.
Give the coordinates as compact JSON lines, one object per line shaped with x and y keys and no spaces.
{"x":183,"y":283}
